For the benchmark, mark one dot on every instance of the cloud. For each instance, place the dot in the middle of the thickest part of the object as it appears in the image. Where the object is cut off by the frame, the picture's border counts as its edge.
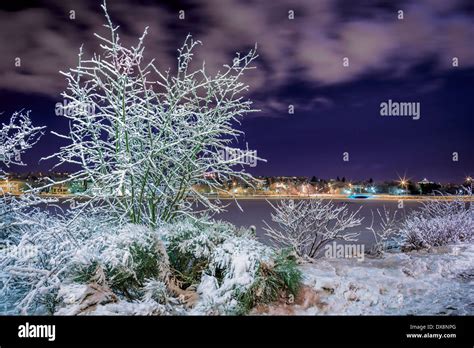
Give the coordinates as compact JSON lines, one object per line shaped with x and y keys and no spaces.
{"x":47,"y":41}
{"x":277,"y":107}
{"x":309,"y":48}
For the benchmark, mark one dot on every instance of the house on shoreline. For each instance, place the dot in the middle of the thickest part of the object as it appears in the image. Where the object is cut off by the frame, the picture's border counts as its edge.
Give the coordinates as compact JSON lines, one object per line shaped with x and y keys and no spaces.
{"x":12,"y":186}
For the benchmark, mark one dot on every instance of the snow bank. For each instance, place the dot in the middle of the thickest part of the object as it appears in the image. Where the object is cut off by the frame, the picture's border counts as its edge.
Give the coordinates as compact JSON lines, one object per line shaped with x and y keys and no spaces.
{"x":417,"y":283}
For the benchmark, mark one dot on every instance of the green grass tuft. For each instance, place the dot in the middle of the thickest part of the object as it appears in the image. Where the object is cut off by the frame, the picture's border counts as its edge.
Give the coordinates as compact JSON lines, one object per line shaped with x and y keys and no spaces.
{"x":272,"y":282}
{"x":127,"y":279}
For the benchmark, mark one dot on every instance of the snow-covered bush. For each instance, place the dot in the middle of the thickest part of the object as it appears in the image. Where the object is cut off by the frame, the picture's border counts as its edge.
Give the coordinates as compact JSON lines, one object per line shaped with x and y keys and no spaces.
{"x":17,"y":136}
{"x":307,"y":225}
{"x":15,"y":212}
{"x":386,"y":232}
{"x":244,"y":273}
{"x":83,"y":249}
{"x":227,"y":265}
{"x":212,"y":266}
{"x":195,"y":247}
{"x":156,"y":290}
{"x":143,"y":138}
{"x":18,"y":214}
{"x":190,"y":244}
{"x":273,"y":280}
{"x":29,"y":280}
{"x":127,"y":256}
{"x":232,"y":270}
{"x":438,"y":222}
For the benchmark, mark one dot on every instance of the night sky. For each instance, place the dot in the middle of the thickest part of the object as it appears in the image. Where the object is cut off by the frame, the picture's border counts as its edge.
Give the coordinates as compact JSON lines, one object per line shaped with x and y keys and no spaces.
{"x":336,"y":108}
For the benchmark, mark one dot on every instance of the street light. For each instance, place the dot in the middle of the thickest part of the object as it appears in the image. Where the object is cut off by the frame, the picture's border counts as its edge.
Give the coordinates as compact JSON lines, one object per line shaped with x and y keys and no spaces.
{"x":469,"y":181}
{"x":403,"y":182}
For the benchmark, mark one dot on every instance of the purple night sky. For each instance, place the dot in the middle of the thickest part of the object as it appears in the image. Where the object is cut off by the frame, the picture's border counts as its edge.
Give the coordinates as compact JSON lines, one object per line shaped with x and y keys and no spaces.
{"x":337,"y":109}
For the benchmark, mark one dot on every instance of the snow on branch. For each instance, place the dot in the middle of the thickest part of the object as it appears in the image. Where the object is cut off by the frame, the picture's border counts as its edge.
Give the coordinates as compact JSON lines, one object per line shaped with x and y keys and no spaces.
{"x":439,"y":222}
{"x":17,"y":136}
{"x":388,"y":229}
{"x":308,"y":225}
{"x":143,"y":138}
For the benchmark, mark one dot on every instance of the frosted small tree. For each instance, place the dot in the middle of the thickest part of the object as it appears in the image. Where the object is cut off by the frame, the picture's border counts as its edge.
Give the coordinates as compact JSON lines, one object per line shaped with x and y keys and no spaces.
{"x":152,"y":135}
{"x":387,"y":230}
{"x":307,"y":225}
{"x":16,"y":137}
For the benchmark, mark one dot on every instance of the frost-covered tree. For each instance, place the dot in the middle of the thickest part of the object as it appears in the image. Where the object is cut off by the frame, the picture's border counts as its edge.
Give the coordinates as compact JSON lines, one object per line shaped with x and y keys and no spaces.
{"x":17,"y":136}
{"x":387,"y":230}
{"x":307,"y":225}
{"x":143,"y":138}
{"x":16,"y":213}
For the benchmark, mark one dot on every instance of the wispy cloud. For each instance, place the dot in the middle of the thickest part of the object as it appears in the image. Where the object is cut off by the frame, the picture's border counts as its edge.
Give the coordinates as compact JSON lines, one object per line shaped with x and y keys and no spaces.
{"x":309,"y":48}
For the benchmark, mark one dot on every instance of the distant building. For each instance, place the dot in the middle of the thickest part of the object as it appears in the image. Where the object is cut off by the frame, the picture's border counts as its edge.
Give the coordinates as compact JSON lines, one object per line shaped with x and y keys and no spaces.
{"x":425,"y":181}
{"x":428,"y":187}
{"x":12,"y":186}
{"x":60,"y":189}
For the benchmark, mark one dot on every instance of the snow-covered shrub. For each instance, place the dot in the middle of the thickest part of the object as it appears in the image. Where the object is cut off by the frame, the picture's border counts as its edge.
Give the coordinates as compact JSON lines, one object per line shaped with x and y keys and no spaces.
{"x":94,"y":299}
{"x":15,"y":213}
{"x":30,"y":279}
{"x":153,"y":135}
{"x":438,"y":222}
{"x":273,"y":280}
{"x":128,"y":256}
{"x":191,"y":245}
{"x":18,"y":215}
{"x":17,"y":136}
{"x":82,"y":249}
{"x":230,"y":269}
{"x":286,"y":269}
{"x":385,"y":233}
{"x":225,"y":267}
{"x":307,"y":225}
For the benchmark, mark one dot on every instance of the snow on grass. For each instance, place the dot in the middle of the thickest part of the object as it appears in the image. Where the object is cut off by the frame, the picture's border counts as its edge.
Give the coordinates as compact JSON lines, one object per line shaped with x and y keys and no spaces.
{"x":113,"y":247}
{"x":238,"y":259}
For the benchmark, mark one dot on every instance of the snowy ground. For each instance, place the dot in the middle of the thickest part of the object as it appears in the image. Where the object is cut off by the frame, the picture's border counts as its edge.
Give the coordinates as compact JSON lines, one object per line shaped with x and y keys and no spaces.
{"x":416,"y":283}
